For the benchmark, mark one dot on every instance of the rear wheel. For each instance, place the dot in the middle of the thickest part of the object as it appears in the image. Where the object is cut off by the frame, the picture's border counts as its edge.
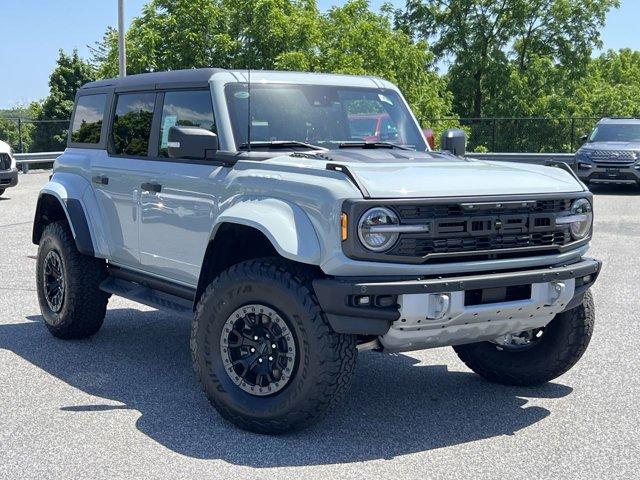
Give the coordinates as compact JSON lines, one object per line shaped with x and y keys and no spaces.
{"x":535,"y":356}
{"x":68,"y":285}
{"x":266,"y":357}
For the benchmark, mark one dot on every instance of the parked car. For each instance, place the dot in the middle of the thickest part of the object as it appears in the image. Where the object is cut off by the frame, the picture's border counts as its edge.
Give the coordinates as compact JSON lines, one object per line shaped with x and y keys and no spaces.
{"x":292,"y":247}
{"x":8,"y":170}
{"x":611,"y":153}
{"x":373,"y":127}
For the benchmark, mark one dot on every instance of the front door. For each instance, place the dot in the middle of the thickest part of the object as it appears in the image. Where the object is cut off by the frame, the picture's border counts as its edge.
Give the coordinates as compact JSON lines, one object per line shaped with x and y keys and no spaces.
{"x":178,"y":205}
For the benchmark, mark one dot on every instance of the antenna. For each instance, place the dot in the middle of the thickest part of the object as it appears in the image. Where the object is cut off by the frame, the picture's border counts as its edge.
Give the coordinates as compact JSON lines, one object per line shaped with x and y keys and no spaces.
{"x":249,"y":61}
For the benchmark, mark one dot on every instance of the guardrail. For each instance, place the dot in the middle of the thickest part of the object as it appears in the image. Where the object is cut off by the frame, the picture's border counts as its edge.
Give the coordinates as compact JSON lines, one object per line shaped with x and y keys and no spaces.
{"x":44,"y":159}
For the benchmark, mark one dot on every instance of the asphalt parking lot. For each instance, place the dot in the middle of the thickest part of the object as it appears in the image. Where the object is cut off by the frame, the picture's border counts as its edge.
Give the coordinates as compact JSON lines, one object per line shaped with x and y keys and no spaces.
{"x":126,"y":404}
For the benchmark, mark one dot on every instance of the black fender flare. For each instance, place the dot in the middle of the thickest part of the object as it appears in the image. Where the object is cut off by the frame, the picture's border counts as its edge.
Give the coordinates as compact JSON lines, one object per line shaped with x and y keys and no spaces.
{"x":50,"y":208}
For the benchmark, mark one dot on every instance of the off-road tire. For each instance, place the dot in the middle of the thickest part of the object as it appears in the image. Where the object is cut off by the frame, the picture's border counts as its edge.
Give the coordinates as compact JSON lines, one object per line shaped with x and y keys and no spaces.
{"x":325,"y":360}
{"x":84,"y":304}
{"x":564,"y":341}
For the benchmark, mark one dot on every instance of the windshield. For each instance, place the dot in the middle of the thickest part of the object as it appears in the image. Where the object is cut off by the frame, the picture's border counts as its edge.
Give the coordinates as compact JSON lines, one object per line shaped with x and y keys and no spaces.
{"x":321,"y":115}
{"x":611,"y":132}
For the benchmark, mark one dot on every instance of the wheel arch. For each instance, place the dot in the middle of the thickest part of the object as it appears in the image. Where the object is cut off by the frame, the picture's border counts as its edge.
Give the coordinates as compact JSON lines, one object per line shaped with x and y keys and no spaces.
{"x":51,"y":207}
{"x":255,"y":229}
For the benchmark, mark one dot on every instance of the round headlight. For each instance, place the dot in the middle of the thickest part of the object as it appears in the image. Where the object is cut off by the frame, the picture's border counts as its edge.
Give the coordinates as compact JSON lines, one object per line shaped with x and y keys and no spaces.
{"x":373,"y":229}
{"x":583,"y":211}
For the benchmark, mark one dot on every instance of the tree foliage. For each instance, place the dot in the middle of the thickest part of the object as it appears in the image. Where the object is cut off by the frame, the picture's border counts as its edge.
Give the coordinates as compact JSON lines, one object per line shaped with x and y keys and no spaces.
{"x":70,"y":74}
{"x":494,"y":46}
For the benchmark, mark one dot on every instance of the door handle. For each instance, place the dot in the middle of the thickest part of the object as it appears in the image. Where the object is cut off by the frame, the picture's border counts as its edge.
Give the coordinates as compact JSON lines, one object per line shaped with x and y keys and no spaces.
{"x":151,"y":187}
{"x":100,"y":180}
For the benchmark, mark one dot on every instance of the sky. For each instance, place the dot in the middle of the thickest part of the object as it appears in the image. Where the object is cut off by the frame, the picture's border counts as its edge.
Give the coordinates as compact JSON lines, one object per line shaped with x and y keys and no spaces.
{"x":34,"y":30}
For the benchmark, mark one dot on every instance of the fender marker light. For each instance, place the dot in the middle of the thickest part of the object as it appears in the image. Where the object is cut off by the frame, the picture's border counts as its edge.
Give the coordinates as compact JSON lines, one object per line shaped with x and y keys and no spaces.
{"x":344,"y":222}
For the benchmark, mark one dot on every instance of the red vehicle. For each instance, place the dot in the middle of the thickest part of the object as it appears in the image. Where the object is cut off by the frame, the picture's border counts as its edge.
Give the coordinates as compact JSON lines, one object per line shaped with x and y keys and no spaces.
{"x":380,"y":127}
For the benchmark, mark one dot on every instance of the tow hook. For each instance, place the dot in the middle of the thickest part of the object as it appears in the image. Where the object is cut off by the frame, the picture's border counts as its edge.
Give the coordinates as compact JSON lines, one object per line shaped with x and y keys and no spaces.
{"x":438,"y":306}
{"x":556,"y":290}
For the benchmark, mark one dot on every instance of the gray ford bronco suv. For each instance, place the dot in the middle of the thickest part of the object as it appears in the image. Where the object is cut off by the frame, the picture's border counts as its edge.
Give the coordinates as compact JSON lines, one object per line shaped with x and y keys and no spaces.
{"x":299,"y":218}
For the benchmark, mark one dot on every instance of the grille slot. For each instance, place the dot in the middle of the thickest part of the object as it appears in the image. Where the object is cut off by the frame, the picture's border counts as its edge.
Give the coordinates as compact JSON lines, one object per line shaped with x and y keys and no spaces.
{"x":428,"y":212}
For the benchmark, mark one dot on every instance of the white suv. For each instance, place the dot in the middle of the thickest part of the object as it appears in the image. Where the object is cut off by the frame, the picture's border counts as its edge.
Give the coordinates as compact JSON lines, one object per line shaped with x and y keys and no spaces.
{"x":8,"y":170}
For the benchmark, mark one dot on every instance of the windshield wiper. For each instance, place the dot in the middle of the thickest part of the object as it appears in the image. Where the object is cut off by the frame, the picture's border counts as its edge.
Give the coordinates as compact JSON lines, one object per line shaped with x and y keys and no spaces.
{"x":358,"y":144}
{"x":279,"y":144}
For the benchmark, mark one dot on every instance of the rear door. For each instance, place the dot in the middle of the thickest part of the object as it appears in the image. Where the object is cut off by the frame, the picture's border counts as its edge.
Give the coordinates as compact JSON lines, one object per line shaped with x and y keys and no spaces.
{"x":117,"y":177}
{"x":177,"y":214}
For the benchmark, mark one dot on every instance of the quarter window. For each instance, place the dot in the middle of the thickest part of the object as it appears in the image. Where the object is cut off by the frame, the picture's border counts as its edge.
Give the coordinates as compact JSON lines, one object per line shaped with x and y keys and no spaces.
{"x":132,"y":124}
{"x":185,"y":108}
{"x":87,"y":120}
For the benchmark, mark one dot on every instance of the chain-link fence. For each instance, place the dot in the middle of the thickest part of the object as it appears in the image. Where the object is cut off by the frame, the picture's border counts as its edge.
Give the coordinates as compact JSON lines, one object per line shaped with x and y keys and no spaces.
{"x":526,"y":135}
{"x":31,"y":136}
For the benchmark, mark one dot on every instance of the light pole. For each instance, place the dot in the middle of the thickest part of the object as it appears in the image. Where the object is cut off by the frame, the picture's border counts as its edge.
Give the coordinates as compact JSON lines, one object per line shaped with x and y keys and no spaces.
{"x":122,"y":52}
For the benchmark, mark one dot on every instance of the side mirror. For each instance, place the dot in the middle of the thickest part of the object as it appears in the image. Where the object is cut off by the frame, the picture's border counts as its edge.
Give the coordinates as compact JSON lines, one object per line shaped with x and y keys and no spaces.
{"x":455,"y":141}
{"x":191,"y":142}
{"x":584,"y":138}
{"x":430,"y":137}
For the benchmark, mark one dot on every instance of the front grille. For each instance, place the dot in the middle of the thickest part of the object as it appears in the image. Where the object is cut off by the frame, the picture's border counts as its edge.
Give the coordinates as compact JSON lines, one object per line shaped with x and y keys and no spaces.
{"x":613,"y":156}
{"x":456,"y":228}
{"x":5,"y":161}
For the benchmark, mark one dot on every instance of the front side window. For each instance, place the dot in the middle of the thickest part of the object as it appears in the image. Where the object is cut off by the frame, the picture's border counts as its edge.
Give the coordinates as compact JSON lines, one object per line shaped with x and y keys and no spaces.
{"x":87,"y":120}
{"x":132,"y":124}
{"x":321,"y":115}
{"x":185,"y":108}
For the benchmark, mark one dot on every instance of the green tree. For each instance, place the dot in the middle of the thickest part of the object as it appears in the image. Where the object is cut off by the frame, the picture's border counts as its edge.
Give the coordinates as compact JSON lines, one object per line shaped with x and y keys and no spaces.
{"x":485,"y":41}
{"x":177,"y":34}
{"x":70,"y":74}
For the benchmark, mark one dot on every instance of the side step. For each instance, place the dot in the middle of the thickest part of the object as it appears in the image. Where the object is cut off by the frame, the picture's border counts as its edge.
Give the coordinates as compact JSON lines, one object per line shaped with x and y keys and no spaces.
{"x":148,"y":296}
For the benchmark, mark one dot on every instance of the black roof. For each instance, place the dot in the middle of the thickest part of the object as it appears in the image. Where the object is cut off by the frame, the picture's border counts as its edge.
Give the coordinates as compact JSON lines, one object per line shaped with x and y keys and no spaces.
{"x":174,"y":78}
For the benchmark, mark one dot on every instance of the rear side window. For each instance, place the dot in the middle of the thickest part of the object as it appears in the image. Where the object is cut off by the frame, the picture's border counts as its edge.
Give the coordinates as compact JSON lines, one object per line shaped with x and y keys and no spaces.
{"x":87,"y":120}
{"x":132,"y":124}
{"x":185,"y":108}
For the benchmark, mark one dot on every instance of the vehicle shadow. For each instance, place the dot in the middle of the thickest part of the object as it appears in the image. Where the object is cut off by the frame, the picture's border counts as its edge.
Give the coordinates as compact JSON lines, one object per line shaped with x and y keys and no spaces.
{"x":141,"y":361}
{"x":606,"y":189}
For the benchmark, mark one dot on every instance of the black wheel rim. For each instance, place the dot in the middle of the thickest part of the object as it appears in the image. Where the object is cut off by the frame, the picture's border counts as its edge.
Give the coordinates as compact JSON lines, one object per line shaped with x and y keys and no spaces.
{"x":54,"y":282}
{"x":258,"y":350}
{"x":521,"y":341}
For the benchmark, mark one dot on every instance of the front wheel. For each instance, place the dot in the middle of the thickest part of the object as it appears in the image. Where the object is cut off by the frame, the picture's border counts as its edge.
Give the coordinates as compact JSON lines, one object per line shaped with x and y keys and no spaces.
{"x":264,"y":353}
{"x":536,"y":356}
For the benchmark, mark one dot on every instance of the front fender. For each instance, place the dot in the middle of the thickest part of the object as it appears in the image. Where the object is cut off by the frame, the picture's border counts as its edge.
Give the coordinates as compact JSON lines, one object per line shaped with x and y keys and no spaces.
{"x":286,"y":226}
{"x":76,"y":199}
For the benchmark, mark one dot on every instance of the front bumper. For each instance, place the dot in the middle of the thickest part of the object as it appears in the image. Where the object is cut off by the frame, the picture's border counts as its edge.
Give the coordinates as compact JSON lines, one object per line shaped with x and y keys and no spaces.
{"x":432,"y":312}
{"x":8,"y":178}
{"x":603,"y":173}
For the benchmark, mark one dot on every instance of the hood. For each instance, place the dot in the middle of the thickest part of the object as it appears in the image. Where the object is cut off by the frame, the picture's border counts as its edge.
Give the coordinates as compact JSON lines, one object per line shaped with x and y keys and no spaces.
{"x":394,"y":173}
{"x":4,"y":147}
{"x":620,"y":146}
